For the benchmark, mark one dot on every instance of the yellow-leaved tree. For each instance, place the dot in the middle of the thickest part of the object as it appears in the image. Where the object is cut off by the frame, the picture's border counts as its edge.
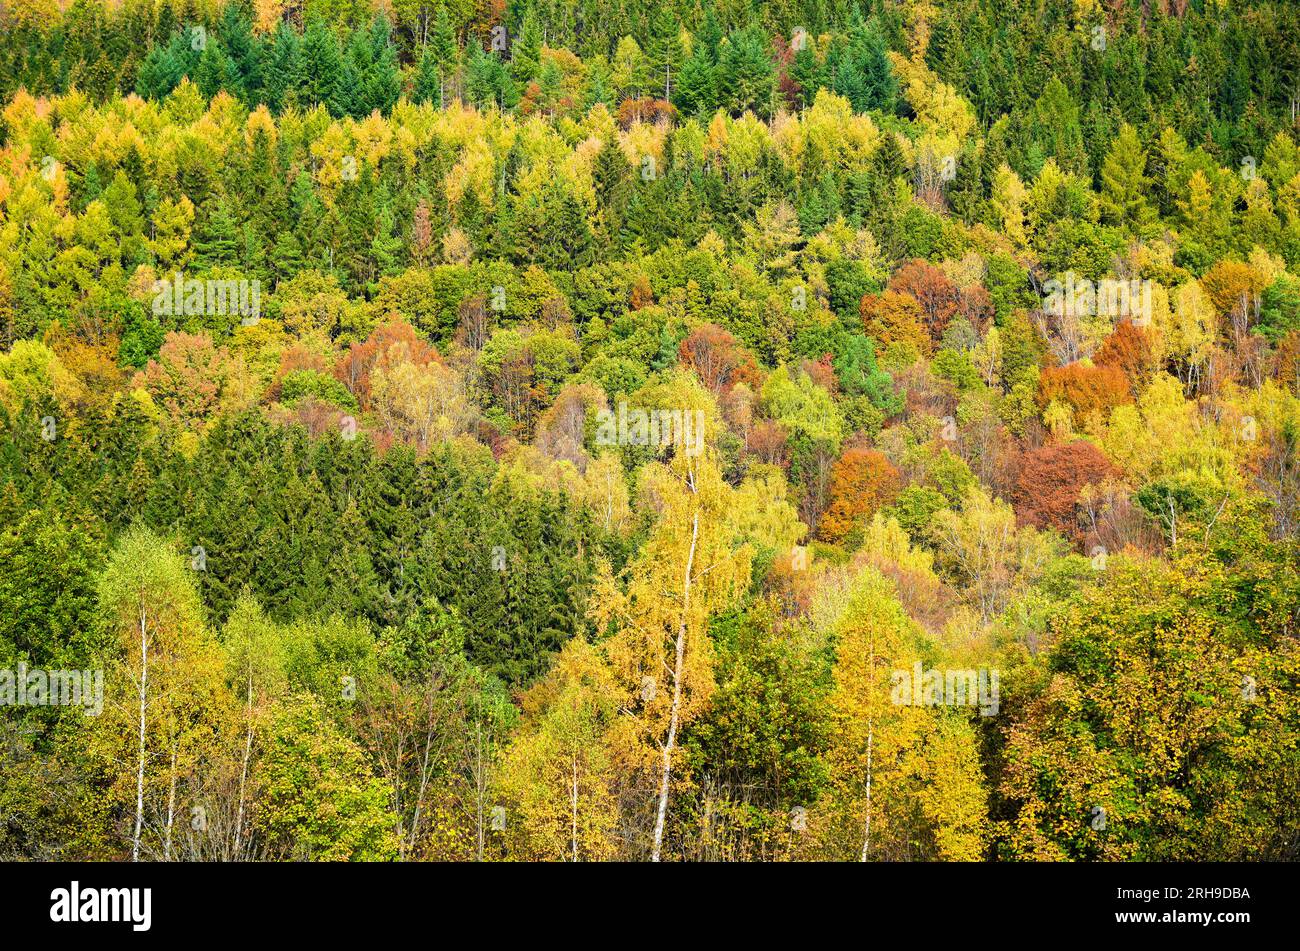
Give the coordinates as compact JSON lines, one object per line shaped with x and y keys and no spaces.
{"x":905,"y":780}
{"x":559,"y":771}
{"x":656,"y":620}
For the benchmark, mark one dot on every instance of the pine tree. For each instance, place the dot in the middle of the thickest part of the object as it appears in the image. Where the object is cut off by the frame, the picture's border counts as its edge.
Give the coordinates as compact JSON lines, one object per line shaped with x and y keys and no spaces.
{"x":1124,"y":183}
{"x":218,"y":240}
{"x":443,"y":45}
{"x":428,"y":78}
{"x":322,"y":69}
{"x":696,"y":89}
{"x":284,"y":69}
{"x":236,"y":35}
{"x":746,"y":75}
{"x":383,"y":83}
{"x":214,"y":69}
{"x":664,"y":50}
{"x":526,"y":50}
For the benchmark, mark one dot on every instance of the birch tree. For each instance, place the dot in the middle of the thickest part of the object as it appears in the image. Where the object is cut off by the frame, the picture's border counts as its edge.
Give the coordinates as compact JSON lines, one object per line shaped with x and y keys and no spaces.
{"x":889,"y":756}
{"x":168,"y":687}
{"x":687,"y":571}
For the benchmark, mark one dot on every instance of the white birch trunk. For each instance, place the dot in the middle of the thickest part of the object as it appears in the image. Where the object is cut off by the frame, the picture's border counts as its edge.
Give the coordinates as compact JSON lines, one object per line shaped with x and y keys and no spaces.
{"x":666,"y":776}
{"x":139,"y":773}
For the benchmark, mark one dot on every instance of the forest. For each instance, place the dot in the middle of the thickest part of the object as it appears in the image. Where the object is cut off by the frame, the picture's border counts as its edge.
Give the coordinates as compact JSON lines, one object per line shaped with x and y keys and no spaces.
{"x":700,"y":430}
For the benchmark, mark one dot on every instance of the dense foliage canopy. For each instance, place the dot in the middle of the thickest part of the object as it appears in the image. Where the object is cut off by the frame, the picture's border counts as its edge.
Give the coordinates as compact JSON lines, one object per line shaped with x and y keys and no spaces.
{"x":562,"y":430}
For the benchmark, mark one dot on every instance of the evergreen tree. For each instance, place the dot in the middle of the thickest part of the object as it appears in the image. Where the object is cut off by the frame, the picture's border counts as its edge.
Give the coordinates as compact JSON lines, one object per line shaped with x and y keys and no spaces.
{"x":322,"y":69}
{"x":1124,"y":182}
{"x":284,"y":69}
{"x":218,"y":241}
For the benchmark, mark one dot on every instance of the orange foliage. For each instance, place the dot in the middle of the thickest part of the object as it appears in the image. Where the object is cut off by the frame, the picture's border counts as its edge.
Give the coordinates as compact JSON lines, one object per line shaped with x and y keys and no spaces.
{"x":1051,"y":478}
{"x":389,"y":344}
{"x":1086,"y":389}
{"x":940,"y":299}
{"x":1128,"y":349}
{"x":894,"y":318}
{"x":1286,"y":362}
{"x":822,"y":373}
{"x":642,"y":295}
{"x":296,"y":357}
{"x":769,"y":442}
{"x":1232,"y":286}
{"x":718,"y":358}
{"x":862,"y":481}
{"x":646,"y":109}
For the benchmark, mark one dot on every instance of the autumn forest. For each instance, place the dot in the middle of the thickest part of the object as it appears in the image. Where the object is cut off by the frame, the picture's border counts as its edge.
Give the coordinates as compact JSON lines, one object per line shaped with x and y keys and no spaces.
{"x":692,"y":430}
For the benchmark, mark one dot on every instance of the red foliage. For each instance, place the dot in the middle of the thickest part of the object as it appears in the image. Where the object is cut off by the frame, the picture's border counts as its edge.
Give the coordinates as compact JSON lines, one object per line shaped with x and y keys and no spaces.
{"x":190,"y":376}
{"x":645,"y":109}
{"x":823,"y":374}
{"x":642,"y":295}
{"x":768,"y":441}
{"x":1286,"y":362}
{"x":1128,"y":349}
{"x":939,"y":297}
{"x":1050,"y":481}
{"x":296,"y":357}
{"x":976,"y":306}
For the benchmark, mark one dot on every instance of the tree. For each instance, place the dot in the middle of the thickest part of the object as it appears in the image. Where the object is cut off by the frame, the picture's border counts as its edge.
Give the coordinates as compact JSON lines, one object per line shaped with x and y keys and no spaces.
{"x":284,"y":69}
{"x":322,"y":68}
{"x":746,"y":75}
{"x":319,"y":801}
{"x":255,"y":670}
{"x":687,"y":571}
{"x":718,"y":359}
{"x":1124,"y":183}
{"x":981,"y":551}
{"x":526,"y":50}
{"x":696,"y":92}
{"x":1087,"y":390}
{"x":938,"y":297}
{"x":1124,"y":750}
{"x":559,"y":769}
{"x":1050,"y":482}
{"x":665,"y":49}
{"x":863,"y":480}
{"x":887,"y":754}
{"x":1129,"y":348}
{"x":150,"y":604}
{"x":891,"y":317}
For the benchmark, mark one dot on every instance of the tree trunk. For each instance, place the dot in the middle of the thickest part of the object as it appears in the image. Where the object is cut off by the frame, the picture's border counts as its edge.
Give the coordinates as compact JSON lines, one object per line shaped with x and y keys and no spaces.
{"x":866,"y":841}
{"x":243,"y":774}
{"x":478,"y":785}
{"x":171,"y":811}
{"x":424,"y":781}
{"x":139,"y":773}
{"x":666,"y":777}
{"x":871,"y":735}
{"x":574,"y":838}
